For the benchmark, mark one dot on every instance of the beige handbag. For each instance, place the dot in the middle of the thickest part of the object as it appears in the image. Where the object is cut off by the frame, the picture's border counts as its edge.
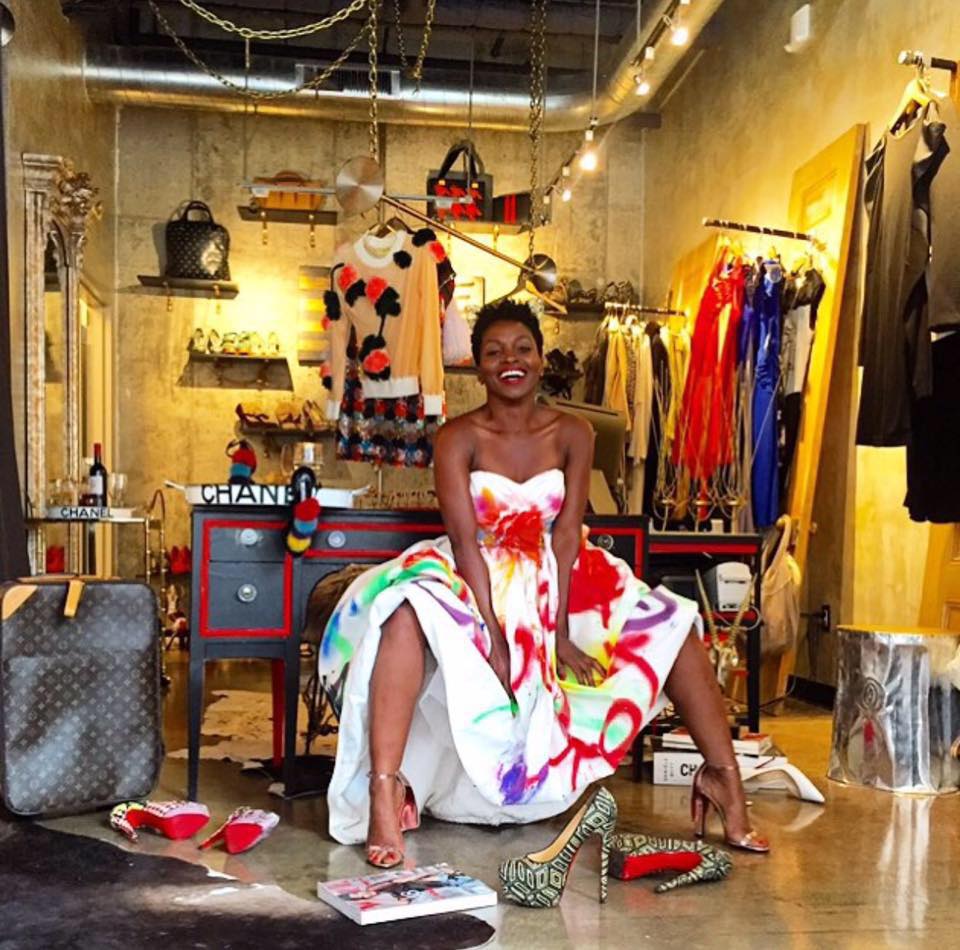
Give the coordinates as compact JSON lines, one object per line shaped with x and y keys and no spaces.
{"x":779,"y":592}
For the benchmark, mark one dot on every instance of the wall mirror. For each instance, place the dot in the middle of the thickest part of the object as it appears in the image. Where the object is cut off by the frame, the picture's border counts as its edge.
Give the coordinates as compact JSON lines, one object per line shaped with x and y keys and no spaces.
{"x":60,"y":203}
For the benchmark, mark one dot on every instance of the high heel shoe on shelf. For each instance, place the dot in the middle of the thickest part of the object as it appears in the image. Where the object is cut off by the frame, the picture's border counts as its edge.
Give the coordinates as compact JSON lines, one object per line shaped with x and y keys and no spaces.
{"x":174,"y":820}
{"x":636,"y":855}
{"x":243,"y":829}
{"x":538,"y":879}
{"x":389,"y":856}
{"x":700,"y":803}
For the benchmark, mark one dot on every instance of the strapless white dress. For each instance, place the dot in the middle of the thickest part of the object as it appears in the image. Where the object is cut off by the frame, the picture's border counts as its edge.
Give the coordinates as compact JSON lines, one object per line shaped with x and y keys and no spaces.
{"x":472,"y":755}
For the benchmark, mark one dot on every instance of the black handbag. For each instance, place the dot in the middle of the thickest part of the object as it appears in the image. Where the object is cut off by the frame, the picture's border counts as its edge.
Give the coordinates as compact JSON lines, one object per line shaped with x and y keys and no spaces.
{"x":197,"y":248}
{"x":448,"y":182}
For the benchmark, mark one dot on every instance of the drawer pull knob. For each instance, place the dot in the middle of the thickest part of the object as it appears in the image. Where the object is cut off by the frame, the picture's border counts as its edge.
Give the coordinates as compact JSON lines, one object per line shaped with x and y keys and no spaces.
{"x":249,"y":537}
{"x":247,"y":593}
{"x":336,"y":539}
{"x":605,"y":541}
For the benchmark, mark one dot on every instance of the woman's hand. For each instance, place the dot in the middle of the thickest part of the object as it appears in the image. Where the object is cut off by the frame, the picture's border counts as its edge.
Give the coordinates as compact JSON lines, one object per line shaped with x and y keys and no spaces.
{"x":585,"y":669}
{"x":499,"y":661}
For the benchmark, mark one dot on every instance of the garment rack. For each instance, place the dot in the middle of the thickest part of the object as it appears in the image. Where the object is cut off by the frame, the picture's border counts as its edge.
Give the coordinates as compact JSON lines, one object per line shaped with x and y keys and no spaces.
{"x":613,"y":306}
{"x":915,"y":57}
{"x":725,"y":225}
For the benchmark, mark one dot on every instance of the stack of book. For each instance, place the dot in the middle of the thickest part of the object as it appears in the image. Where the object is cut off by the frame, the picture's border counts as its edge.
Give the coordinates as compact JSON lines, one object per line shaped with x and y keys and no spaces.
{"x":676,"y":759}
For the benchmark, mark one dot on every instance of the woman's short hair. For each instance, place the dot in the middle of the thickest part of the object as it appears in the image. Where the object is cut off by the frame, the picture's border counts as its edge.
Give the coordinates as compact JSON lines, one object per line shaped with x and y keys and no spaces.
{"x":504,"y":311}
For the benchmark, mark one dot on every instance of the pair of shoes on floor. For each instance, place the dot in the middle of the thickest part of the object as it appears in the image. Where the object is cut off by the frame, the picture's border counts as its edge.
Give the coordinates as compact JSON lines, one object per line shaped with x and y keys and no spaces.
{"x":178,"y":820}
{"x":538,"y":879}
{"x":408,"y":816}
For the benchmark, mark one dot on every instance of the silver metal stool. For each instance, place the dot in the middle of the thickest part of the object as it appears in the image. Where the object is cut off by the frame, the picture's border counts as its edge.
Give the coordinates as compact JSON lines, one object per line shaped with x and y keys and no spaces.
{"x":897,"y":714}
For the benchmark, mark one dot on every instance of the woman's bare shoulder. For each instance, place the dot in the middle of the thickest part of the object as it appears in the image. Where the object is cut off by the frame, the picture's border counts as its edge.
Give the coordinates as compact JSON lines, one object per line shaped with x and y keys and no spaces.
{"x":458,"y":433}
{"x":574,"y":429}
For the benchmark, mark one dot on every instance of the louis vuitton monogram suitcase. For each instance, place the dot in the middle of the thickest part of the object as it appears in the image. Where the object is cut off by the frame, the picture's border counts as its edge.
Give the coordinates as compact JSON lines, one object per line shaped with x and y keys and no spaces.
{"x":80,"y":720}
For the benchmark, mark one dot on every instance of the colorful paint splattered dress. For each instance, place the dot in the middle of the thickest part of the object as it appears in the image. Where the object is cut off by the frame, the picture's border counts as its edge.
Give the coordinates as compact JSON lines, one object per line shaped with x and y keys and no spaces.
{"x":472,"y":755}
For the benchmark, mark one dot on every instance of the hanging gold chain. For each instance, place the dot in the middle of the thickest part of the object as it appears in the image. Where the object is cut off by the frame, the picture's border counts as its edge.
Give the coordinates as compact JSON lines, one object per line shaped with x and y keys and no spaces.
{"x":417,"y":71}
{"x":355,"y":6}
{"x":401,"y":42}
{"x":372,"y":59}
{"x":424,"y":43}
{"x":538,"y":61}
{"x":314,"y":82}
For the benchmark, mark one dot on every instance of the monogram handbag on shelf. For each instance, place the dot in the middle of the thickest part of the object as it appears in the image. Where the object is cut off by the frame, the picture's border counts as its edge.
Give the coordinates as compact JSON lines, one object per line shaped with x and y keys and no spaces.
{"x":197,"y":247}
{"x":80,"y":721}
{"x":451,"y":182}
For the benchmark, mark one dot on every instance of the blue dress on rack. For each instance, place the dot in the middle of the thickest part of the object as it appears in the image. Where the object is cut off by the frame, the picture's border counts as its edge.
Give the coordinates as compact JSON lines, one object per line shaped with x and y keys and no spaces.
{"x":765,"y":477}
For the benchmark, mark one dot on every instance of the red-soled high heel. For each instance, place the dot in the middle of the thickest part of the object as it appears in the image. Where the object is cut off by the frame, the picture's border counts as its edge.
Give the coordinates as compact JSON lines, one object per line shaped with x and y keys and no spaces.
{"x":243,"y":829}
{"x":700,"y":803}
{"x":175,"y":820}
{"x":388,"y":856}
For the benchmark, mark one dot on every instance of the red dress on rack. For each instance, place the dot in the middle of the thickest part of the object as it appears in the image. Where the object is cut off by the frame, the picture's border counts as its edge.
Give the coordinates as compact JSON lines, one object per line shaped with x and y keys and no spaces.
{"x":708,"y":412}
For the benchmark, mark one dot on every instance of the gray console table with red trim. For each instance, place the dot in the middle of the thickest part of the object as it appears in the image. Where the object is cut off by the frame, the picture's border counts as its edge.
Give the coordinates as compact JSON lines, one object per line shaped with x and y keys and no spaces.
{"x":249,"y":596}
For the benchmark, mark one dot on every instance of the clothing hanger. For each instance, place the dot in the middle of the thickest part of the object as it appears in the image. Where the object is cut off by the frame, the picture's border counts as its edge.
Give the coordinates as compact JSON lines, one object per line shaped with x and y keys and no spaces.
{"x":381,"y":228}
{"x":916,"y":96}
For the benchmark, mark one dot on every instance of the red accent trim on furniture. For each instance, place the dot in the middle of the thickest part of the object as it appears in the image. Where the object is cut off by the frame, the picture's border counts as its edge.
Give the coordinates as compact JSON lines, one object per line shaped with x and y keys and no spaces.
{"x":691,"y":547}
{"x":248,"y":633}
{"x":396,"y":526}
{"x":341,"y":554}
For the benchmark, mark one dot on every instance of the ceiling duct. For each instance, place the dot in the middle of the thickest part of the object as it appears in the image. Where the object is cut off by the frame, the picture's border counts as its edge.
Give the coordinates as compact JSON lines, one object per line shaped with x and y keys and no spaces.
{"x":140,"y":76}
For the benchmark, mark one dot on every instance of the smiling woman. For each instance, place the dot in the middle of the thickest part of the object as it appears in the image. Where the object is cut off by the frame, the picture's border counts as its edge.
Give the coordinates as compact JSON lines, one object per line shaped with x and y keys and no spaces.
{"x":509,"y":664}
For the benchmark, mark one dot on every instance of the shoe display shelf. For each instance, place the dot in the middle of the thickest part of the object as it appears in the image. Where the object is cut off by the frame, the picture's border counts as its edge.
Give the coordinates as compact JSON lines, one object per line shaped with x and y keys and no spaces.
{"x":223,"y":362}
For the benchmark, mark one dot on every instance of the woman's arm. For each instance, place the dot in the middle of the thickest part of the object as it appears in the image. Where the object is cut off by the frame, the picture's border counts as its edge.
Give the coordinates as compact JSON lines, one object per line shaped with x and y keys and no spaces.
{"x":577,"y":438}
{"x":452,"y":455}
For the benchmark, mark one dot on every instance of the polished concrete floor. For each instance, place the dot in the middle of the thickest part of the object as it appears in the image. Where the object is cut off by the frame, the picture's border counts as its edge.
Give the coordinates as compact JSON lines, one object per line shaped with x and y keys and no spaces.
{"x":868,"y":869}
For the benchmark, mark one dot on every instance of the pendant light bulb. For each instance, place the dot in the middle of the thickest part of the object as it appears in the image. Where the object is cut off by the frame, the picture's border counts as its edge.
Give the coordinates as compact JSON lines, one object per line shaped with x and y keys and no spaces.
{"x":643,"y":84}
{"x":589,"y":160}
{"x":566,"y":194}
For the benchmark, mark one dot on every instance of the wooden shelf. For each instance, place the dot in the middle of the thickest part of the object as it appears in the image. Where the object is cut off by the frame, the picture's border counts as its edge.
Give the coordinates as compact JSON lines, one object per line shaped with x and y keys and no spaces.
{"x":221,"y":363}
{"x":201,"y":356}
{"x":189,"y":287}
{"x":281,"y":432}
{"x":460,"y":370}
{"x":287,"y":216}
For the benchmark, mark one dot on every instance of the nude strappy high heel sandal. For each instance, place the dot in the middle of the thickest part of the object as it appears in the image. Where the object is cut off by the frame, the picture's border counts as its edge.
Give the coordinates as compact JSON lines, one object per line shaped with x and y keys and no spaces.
{"x":700,"y":803}
{"x":389,"y":856}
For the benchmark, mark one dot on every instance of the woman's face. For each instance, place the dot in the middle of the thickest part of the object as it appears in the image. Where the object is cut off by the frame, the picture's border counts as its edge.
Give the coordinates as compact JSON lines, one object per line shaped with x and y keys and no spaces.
{"x":510,"y":365}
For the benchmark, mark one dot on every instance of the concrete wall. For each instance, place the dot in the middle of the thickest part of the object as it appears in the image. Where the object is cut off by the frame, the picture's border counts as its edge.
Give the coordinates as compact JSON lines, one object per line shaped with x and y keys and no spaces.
{"x":46,"y":111}
{"x":175,"y":419}
{"x":746,"y":115}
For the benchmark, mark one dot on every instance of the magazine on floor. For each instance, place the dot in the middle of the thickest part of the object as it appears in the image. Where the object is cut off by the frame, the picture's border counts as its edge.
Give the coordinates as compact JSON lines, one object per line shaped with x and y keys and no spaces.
{"x":405,"y":892}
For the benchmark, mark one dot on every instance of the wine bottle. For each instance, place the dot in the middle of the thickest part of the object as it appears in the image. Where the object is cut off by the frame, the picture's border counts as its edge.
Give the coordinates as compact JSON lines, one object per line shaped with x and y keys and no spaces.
{"x":97,"y":479}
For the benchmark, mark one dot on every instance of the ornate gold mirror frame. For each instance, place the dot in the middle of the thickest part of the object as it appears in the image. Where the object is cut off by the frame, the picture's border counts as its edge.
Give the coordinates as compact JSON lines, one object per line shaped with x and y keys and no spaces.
{"x":59,"y":202}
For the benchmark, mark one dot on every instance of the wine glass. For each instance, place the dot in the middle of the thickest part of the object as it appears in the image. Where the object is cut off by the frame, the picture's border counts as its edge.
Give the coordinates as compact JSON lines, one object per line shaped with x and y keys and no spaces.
{"x":117,"y":487}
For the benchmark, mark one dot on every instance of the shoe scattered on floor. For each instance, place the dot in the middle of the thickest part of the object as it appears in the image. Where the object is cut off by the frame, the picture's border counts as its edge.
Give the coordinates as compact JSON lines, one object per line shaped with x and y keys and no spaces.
{"x":538,"y":879}
{"x":244,"y":828}
{"x":174,"y":819}
{"x":637,"y":855}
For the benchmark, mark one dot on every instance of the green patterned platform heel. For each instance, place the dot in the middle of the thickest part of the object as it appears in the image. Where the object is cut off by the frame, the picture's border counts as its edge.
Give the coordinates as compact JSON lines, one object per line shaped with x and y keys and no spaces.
{"x":538,"y":879}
